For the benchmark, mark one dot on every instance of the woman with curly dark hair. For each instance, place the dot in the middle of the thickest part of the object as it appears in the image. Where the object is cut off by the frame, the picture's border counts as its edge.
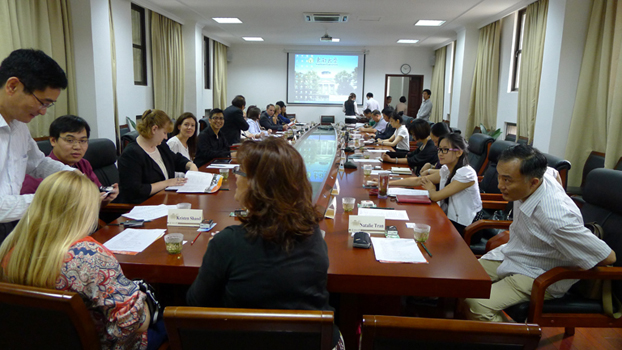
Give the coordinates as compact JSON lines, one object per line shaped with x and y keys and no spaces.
{"x":277,"y":257}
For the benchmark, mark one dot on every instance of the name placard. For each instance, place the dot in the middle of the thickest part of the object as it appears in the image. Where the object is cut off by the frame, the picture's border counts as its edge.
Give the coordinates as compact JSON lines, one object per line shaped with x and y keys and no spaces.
{"x":371,"y":224}
{"x":185,"y":217}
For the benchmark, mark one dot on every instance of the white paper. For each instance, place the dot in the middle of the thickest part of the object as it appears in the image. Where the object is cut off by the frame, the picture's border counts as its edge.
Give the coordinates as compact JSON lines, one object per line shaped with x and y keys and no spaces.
{"x":380,"y":151}
{"x":198,"y":182}
{"x":397,"y":250}
{"x":149,"y":212}
{"x":359,"y":125}
{"x":401,"y":170}
{"x":223,"y":166}
{"x":362,"y":160}
{"x":386,"y":213}
{"x":134,"y":240}
{"x":400,"y":191}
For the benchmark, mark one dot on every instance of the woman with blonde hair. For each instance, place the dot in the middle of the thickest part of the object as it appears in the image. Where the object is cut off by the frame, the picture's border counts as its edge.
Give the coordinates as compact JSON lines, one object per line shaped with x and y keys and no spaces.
{"x":50,"y":247}
{"x":148,"y":165}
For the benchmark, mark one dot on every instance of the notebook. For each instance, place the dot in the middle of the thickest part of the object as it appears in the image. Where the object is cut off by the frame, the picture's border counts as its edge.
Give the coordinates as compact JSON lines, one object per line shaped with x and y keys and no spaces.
{"x":413,"y":199}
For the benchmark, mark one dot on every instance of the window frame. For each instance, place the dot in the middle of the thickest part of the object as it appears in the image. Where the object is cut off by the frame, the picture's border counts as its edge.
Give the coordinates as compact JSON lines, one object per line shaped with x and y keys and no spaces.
{"x":206,"y":62}
{"x":518,"y":49}
{"x":143,"y":45}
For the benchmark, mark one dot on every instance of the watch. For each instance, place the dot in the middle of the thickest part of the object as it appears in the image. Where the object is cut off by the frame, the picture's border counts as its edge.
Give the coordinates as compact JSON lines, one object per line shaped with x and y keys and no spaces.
{"x":405,"y":68}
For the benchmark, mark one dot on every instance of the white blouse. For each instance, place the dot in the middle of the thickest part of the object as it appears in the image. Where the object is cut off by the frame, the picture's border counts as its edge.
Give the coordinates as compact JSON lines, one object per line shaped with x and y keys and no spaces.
{"x":404,"y":144}
{"x":462,"y":207}
{"x":176,"y":146}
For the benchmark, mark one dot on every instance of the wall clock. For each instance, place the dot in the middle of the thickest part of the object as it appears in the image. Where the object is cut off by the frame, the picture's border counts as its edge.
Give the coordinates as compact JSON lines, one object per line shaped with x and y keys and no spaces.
{"x":405,"y":68}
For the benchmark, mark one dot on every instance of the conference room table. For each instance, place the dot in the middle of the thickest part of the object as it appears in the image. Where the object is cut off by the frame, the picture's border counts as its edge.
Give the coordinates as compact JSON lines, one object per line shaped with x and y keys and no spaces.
{"x":354,"y":274}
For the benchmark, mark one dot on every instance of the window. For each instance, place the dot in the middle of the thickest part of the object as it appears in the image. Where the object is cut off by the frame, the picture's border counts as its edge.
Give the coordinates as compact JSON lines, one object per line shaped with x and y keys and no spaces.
{"x":139,"y":45}
{"x":206,"y":60}
{"x":518,"y":48}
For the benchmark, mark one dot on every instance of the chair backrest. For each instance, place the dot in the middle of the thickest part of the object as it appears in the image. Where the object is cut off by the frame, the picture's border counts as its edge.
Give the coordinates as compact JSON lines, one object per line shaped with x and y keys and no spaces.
{"x":479,"y":146}
{"x":128,"y":137}
{"x":102,"y":154}
{"x":603,"y":195}
{"x":327,"y":119}
{"x":560,"y":165}
{"x":203,"y":123}
{"x":45,"y":146}
{"x":194,"y":327}
{"x":618,"y":164}
{"x":490,"y":181}
{"x":594,"y":161}
{"x":392,"y":333}
{"x":39,"y":318}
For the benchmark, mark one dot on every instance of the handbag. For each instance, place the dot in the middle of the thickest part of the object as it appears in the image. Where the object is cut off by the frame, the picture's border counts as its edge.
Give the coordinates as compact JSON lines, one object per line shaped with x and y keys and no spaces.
{"x":155,"y":308}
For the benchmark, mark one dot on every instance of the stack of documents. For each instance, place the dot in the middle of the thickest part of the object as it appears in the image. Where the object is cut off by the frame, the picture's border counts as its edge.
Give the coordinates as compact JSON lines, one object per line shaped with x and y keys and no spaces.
{"x":133,"y":241}
{"x":149,"y":212}
{"x":386,"y":213}
{"x":397,"y":250}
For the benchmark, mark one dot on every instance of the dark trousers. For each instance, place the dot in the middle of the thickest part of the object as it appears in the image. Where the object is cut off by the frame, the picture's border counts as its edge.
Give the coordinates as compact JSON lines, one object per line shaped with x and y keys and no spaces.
{"x":399,"y":153}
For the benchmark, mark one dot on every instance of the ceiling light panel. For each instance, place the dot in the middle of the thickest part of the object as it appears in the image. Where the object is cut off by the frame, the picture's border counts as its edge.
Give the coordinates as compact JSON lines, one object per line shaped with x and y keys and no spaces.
{"x":252,"y":38}
{"x":226,"y":20}
{"x":429,"y":23}
{"x":407,"y":41}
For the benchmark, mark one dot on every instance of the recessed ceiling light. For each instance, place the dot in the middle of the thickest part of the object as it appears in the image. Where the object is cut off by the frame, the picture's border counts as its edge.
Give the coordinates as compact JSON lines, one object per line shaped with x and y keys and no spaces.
{"x":252,"y":38}
{"x":407,"y":41}
{"x":428,"y":22}
{"x":226,"y":20}
{"x":335,"y":40}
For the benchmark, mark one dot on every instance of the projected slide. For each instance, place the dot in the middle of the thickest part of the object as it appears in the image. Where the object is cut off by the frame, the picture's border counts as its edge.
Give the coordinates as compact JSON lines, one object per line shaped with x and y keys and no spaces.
{"x":324,"y":78}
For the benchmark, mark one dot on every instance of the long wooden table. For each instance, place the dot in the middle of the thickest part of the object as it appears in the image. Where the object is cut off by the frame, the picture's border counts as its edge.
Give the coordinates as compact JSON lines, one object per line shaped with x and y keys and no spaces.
{"x":453,"y":271}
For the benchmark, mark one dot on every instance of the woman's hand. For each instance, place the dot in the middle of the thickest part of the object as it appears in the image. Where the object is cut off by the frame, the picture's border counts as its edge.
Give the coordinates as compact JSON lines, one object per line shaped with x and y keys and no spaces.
{"x":427,"y":184}
{"x":177,"y":181}
{"x":386,"y":158}
{"x":425,"y":168}
{"x":109,"y":197}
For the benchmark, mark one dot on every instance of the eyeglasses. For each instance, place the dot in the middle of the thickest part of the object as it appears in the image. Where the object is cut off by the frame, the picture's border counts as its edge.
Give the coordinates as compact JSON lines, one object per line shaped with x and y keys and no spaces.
{"x":241,"y":173}
{"x":43,"y":105}
{"x":218,"y":118}
{"x":446,"y":150}
{"x":72,"y":141}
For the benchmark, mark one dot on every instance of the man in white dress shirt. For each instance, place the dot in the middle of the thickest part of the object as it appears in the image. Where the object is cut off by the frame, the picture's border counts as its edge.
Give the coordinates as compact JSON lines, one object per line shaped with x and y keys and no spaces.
{"x":371,"y":104}
{"x":31,"y":82}
{"x":426,"y":106}
{"x":547,"y":232}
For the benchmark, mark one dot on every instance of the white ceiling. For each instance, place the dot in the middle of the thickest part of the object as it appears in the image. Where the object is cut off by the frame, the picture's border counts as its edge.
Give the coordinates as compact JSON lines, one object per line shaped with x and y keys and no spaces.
{"x":371,"y":22}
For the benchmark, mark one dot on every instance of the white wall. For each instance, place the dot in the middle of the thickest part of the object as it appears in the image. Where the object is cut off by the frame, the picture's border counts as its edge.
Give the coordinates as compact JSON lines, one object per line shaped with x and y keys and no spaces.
{"x":259,"y":73}
{"x":466,"y":54}
{"x":449,"y":66}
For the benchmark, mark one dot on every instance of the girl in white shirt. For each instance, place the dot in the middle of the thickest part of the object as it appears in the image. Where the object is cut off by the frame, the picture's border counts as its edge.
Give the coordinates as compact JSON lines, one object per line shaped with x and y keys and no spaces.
{"x":458,"y":193}
{"x":400,"y":139}
{"x":184,"y":138}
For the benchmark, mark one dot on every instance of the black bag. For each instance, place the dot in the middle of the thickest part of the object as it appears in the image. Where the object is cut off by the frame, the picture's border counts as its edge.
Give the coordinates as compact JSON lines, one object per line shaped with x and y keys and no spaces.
{"x":155,"y":308}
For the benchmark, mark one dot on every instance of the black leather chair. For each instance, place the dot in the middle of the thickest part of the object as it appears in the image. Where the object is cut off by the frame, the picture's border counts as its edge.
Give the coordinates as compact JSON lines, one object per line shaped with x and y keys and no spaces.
{"x":127,"y":138}
{"x":479,"y":146}
{"x":38,"y":318}
{"x":603,"y":190}
{"x":594,"y":161}
{"x":203,"y":123}
{"x":102,"y":155}
{"x":490,"y":181}
{"x":45,"y":146}
{"x":561,"y":165}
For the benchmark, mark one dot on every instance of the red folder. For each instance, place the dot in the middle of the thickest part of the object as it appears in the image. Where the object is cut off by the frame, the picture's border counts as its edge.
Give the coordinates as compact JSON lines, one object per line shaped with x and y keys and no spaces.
{"x":413,"y":199}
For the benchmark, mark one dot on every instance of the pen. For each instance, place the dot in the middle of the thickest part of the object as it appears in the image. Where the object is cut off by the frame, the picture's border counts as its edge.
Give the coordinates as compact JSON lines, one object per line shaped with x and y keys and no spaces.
{"x":380,"y":208}
{"x":426,"y":249}
{"x":197,"y":237}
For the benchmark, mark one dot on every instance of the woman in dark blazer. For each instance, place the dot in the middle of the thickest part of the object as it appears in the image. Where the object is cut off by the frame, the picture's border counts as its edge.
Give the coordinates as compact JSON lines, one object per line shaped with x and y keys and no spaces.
{"x":148,"y":165}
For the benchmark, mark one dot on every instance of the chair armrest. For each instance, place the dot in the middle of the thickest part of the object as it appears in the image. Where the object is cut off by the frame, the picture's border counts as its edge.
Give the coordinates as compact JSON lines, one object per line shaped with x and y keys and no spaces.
{"x":483,"y":224}
{"x":492,"y":197}
{"x":500,"y":239}
{"x":480,"y":178}
{"x":117,"y":208}
{"x":543,"y":281}
{"x":497,"y":205}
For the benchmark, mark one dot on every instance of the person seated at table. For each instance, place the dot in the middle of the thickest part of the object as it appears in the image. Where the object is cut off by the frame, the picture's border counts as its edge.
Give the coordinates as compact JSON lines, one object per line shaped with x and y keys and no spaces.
{"x":148,"y":165}
{"x":184,"y":138}
{"x":458,"y":191}
{"x":424,"y":154}
{"x":278,"y":111}
{"x":549,"y":232}
{"x":268,"y":120}
{"x":69,"y":137}
{"x":254,"y":129}
{"x":379,"y":123}
{"x":389,"y":130}
{"x":400,"y":139}
{"x":437,"y":131}
{"x":366,"y":118}
{"x":212,"y":143}
{"x":51,"y":248}
{"x":284,"y":112}
{"x":277,"y":258}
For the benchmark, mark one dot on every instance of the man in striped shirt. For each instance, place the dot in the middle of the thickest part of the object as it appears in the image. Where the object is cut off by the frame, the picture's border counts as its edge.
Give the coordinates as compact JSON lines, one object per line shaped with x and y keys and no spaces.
{"x":547,"y":232}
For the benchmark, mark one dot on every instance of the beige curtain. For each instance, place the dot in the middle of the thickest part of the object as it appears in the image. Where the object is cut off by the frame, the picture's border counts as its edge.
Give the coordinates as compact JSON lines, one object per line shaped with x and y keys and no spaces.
{"x":597,"y":116}
{"x":167,"y":52}
{"x":531,"y":67}
{"x":220,"y":75}
{"x":43,"y":25}
{"x":438,"y":85}
{"x":485,"y":87}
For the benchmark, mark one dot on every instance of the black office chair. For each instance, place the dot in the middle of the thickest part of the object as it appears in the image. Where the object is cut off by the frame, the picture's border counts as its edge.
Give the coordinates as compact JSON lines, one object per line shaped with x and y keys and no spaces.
{"x":203,"y":123}
{"x":479,"y":146}
{"x":103,"y":158}
{"x":128,"y":138}
{"x":39,"y":318}
{"x":45,"y":146}
{"x":594,"y":161}
{"x":561,"y":165}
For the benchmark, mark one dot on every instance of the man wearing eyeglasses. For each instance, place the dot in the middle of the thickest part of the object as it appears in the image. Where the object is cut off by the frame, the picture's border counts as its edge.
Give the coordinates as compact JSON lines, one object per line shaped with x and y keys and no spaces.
{"x":212,"y":143}
{"x":31,"y":81}
{"x":69,"y":136}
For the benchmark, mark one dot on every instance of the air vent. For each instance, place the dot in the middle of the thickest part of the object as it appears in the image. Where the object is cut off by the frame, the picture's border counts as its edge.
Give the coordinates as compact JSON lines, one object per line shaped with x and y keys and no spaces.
{"x":326,"y":17}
